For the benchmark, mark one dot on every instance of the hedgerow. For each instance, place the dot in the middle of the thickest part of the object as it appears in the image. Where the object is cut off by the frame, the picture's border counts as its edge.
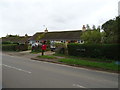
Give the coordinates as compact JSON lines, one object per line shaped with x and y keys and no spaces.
{"x":103,"y":51}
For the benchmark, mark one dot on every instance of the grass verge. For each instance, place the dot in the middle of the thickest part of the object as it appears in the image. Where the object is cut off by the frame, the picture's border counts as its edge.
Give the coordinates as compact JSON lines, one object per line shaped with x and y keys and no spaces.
{"x":107,"y":66}
{"x":85,"y":58}
{"x":47,"y":57}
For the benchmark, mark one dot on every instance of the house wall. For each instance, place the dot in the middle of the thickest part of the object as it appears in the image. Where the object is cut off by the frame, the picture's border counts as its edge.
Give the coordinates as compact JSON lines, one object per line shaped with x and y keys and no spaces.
{"x":52,"y":42}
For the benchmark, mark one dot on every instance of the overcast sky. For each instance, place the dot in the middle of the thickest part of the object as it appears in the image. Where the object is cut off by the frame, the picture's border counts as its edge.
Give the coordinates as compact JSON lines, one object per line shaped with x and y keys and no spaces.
{"x":30,"y":16}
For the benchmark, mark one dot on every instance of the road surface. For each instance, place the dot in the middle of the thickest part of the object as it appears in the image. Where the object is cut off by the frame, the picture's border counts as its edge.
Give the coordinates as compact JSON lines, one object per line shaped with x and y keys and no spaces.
{"x":21,"y":72}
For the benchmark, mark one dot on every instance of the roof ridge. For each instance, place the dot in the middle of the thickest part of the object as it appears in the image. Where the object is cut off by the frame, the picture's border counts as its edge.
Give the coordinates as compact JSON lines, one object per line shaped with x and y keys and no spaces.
{"x":61,"y":31}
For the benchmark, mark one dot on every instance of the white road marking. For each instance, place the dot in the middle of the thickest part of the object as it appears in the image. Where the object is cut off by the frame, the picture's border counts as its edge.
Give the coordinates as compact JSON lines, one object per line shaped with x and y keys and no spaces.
{"x":16,"y":68}
{"x":77,"y":85}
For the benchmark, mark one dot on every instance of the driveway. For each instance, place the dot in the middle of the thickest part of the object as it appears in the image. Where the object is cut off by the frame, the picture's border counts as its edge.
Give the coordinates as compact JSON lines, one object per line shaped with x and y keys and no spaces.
{"x":26,"y":54}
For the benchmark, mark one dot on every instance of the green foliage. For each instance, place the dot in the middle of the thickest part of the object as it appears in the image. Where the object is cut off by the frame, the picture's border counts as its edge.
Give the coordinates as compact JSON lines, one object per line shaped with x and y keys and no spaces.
{"x":60,"y":45}
{"x":107,"y":66}
{"x":88,"y":27}
{"x":48,"y":44}
{"x":93,"y":27}
{"x":12,"y":35}
{"x":22,"y":47}
{"x":36,"y":49}
{"x":60,"y":48}
{"x":91,"y":36}
{"x":7,"y":42}
{"x":14,"y":47}
{"x":47,"y":57}
{"x":104,"y":51}
{"x":112,"y":30}
{"x":9,"y":47}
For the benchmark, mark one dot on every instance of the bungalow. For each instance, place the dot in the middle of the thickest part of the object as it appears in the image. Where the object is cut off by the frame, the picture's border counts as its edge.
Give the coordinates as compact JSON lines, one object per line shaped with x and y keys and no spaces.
{"x":57,"y":36}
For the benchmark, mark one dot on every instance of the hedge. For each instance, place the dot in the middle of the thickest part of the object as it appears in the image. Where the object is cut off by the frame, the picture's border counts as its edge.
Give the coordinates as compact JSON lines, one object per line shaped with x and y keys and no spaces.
{"x":6,"y":42}
{"x":22,"y":47}
{"x":60,"y":48}
{"x":14,"y":47}
{"x":103,"y":51}
{"x":9,"y":47}
{"x":9,"y":42}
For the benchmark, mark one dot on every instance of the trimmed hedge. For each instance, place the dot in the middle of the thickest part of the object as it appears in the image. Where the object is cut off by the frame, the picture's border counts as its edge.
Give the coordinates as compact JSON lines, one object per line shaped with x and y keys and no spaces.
{"x":103,"y":51}
{"x":14,"y":47}
{"x":6,"y":42}
{"x":9,"y":42}
{"x":22,"y":47}
{"x":9,"y":47}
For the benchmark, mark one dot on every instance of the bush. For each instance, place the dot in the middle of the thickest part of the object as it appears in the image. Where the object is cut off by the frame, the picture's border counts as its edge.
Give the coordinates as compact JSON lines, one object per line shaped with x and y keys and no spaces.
{"x":22,"y":47}
{"x":7,"y":42}
{"x":103,"y":51}
{"x":36,"y":49}
{"x":60,"y":48}
{"x":9,"y":47}
{"x":14,"y":47}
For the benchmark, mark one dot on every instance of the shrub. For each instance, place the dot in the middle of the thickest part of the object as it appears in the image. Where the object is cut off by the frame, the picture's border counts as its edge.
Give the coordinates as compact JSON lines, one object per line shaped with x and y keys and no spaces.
{"x":9,"y":47}
{"x":104,"y":51}
{"x":60,"y":48}
{"x":14,"y":47}
{"x":36,"y":49}
{"x":7,"y":42}
{"x":21,"y":47}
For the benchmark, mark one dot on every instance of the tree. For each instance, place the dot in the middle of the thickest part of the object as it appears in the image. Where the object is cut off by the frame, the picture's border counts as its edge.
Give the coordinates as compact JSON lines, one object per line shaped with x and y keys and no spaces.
{"x":91,"y":37}
{"x":88,"y":27}
{"x":12,"y":35}
{"x":26,"y":35}
{"x":112,"y":30}
{"x":93,"y":27}
{"x":98,"y":28}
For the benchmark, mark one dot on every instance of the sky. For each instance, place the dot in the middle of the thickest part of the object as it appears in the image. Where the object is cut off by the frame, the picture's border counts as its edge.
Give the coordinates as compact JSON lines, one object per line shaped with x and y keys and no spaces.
{"x":31,"y":16}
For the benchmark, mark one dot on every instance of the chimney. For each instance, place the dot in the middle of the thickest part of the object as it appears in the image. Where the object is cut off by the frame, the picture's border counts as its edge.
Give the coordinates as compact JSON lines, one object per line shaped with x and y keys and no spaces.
{"x":46,"y":30}
{"x":83,"y":28}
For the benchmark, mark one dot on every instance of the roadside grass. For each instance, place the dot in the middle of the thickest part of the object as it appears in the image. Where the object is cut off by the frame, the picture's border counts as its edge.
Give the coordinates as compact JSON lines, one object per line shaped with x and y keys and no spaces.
{"x":89,"y":62}
{"x":47,"y":57}
{"x":62,"y":55}
{"x":84,"y":58}
{"x":107,"y":66}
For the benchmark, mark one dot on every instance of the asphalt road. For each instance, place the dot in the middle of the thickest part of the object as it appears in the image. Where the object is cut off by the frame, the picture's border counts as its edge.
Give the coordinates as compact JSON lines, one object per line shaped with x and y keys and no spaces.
{"x":19,"y":72}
